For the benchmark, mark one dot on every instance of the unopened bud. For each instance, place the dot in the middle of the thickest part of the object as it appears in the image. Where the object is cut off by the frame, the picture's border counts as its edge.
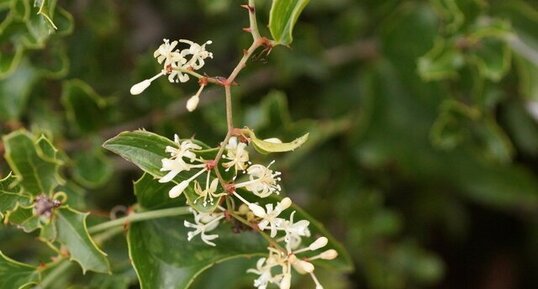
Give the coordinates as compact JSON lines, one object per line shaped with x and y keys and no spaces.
{"x":328,"y":255}
{"x":257,"y":210}
{"x":319,"y":243}
{"x":140,"y":87}
{"x":192,"y":103}
{"x":178,"y":189}
{"x":304,"y":266}
{"x":285,"y":203}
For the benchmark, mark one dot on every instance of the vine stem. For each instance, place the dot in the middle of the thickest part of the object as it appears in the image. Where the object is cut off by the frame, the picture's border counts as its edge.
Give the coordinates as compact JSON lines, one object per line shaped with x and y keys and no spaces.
{"x":256,"y":43}
{"x":137,"y":217}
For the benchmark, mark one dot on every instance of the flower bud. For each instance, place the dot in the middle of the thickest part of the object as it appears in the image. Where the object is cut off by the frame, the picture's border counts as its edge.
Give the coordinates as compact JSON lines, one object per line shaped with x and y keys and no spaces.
{"x":285,"y":203}
{"x":140,"y":87}
{"x":178,"y":189}
{"x":192,"y":103}
{"x":329,"y":254}
{"x":257,"y":210}
{"x":319,"y":243}
{"x":304,"y":266}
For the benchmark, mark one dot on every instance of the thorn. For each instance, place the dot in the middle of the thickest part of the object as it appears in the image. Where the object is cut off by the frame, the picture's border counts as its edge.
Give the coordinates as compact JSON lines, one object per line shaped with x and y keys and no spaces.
{"x":247,"y":29}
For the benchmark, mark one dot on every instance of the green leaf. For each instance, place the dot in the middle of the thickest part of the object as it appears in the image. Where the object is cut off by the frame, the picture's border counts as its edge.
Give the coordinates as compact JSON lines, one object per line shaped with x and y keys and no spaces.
{"x":163,"y":258}
{"x":46,"y":10}
{"x":528,"y":77}
{"x":73,"y":233}
{"x":12,"y":54}
{"x":493,"y":58}
{"x":24,"y":218}
{"x":35,"y":173}
{"x":142,"y":148}
{"x":265,"y":146}
{"x":9,"y":184}
{"x":153,"y":195}
{"x":441,"y":62}
{"x":16,"y":275}
{"x":10,"y":201}
{"x":91,"y":168}
{"x":282,"y":19}
{"x":85,"y":108}
{"x":15,"y":91}
{"x":450,"y":13}
{"x":48,"y":232}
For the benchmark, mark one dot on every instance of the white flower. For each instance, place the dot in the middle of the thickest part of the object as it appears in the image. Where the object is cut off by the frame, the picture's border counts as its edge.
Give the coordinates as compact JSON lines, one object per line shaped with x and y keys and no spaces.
{"x":270,"y":218}
{"x":166,"y":54}
{"x":237,"y":154}
{"x":175,"y":64}
{"x":264,"y":270}
{"x":182,"y":159}
{"x":198,"y":53}
{"x":175,"y":74}
{"x":178,"y":156}
{"x":262,"y":181}
{"x":276,"y":268}
{"x":209,"y":193}
{"x":294,"y":232}
{"x":203,"y":223}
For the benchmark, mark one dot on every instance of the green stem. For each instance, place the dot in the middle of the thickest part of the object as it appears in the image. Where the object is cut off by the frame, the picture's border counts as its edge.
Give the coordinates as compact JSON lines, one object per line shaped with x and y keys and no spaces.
{"x":51,"y":277}
{"x":104,"y":236}
{"x":136,"y":217}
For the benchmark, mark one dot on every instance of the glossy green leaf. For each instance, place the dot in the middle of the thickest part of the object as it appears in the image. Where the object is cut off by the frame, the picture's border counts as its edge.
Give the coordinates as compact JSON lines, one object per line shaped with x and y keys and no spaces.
{"x":267,"y":146}
{"x":35,"y":174}
{"x":73,"y":234}
{"x":282,"y":19}
{"x":16,"y":275}
{"x":153,"y":195}
{"x":142,"y":148}
{"x":85,"y":108}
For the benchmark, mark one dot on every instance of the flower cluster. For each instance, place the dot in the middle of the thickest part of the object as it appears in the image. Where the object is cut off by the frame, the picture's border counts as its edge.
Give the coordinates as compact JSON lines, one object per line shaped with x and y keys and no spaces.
{"x":261,"y":181}
{"x":178,"y":64}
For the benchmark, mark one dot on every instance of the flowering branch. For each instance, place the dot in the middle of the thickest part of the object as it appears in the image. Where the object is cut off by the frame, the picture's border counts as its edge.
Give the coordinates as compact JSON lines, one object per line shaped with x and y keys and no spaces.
{"x":283,"y":235}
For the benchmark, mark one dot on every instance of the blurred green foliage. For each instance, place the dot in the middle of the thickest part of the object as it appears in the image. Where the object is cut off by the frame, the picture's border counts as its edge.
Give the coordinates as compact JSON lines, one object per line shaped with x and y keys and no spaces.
{"x":423,"y":150}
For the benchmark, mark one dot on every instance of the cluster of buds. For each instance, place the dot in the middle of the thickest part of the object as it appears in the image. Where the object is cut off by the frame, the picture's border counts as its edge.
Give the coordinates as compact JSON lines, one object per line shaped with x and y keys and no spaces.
{"x":262,"y":182}
{"x":177,"y":64}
